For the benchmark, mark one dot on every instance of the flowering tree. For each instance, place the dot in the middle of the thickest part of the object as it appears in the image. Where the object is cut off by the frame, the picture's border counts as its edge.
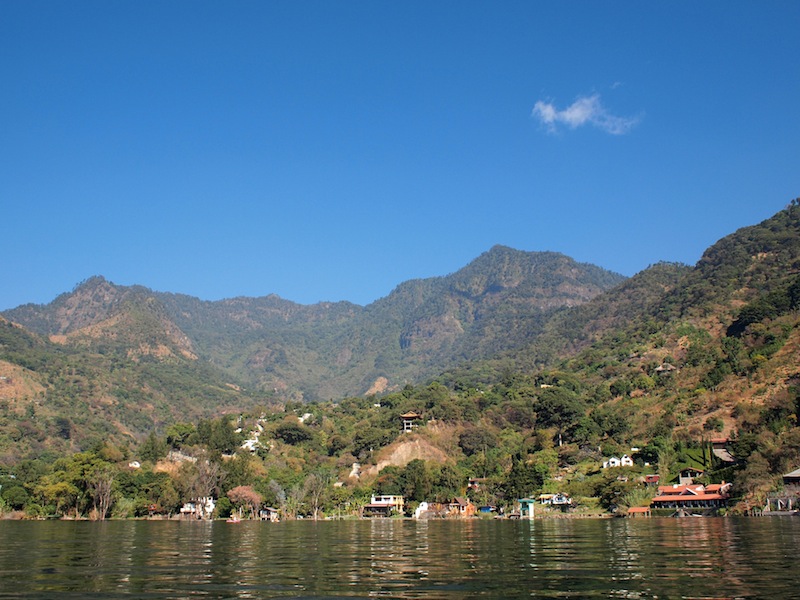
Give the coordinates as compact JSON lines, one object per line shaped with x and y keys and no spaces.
{"x":245,"y":495}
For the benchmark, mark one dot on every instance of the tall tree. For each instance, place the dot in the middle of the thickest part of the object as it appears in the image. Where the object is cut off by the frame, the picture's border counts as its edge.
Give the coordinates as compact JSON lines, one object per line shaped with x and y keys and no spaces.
{"x":205,"y":484}
{"x":101,"y":485}
{"x":245,"y":495}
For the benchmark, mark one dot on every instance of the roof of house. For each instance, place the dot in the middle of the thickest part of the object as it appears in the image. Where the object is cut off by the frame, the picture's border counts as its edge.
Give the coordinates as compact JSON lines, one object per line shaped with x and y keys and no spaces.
{"x":718,"y":487}
{"x":461,"y":501}
{"x":673,"y":498}
{"x":680,"y":490}
{"x":639,"y":509}
{"x":793,"y":474}
{"x":714,"y":491}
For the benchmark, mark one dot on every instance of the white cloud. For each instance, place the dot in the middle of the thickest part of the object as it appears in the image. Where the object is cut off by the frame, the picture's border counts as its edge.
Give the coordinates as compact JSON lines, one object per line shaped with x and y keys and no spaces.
{"x":585,"y":110}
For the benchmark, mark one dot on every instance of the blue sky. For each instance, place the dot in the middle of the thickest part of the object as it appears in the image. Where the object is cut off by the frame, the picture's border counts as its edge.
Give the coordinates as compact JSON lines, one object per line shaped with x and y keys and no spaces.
{"x":329,"y":151}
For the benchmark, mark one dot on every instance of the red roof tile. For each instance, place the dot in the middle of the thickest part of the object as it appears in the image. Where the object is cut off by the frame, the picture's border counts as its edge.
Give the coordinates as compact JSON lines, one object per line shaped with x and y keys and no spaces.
{"x":688,"y":498}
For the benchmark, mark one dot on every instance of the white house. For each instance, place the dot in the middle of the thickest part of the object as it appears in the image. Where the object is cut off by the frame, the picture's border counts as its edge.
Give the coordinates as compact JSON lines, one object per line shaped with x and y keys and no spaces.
{"x":555,"y":499}
{"x":624,"y":461}
{"x":201,"y":509}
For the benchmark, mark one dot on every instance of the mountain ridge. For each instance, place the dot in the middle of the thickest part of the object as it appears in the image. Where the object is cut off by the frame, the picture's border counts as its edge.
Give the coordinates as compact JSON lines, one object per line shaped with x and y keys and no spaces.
{"x":515,"y":356}
{"x":419,"y":328}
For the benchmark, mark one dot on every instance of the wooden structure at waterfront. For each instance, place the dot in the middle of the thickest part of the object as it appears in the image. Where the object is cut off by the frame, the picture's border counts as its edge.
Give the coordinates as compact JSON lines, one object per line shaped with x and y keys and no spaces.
{"x":526,"y":508}
{"x":384,"y":506}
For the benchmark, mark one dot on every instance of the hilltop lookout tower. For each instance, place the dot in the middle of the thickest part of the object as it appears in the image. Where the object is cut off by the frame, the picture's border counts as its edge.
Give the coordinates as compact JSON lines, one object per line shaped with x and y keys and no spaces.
{"x":410,"y":421}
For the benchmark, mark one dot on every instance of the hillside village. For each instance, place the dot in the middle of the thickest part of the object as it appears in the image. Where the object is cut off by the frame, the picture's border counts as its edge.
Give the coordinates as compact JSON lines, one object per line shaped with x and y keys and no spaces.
{"x":673,"y":393}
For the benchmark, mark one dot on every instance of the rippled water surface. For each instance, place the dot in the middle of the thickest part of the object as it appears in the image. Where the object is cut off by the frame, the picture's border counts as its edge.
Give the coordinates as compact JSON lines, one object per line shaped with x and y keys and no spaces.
{"x":618,"y":558}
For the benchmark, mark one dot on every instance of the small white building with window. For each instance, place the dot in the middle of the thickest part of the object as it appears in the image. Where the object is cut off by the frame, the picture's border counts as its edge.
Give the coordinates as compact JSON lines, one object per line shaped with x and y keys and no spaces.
{"x":623,"y":461}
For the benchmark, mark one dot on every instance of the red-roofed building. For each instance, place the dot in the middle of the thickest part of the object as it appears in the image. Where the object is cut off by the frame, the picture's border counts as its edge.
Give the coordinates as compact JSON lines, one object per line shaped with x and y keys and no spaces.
{"x":714,"y":495}
{"x":651,"y":479}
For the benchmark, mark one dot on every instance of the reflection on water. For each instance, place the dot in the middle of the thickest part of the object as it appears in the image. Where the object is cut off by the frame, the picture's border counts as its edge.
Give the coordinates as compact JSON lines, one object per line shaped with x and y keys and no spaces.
{"x":560,"y":558}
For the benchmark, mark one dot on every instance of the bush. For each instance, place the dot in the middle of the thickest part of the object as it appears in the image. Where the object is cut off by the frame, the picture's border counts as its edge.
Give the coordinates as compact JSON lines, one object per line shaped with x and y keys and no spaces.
{"x":475,"y":440}
{"x":293,"y":433}
{"x":223,"y":508}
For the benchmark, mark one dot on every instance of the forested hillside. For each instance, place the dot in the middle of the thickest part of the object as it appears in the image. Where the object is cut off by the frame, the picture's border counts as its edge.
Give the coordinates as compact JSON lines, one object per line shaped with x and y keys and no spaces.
{"x":498,"y":302}
{"x":546,"y":379}
{"x":56,"y":399}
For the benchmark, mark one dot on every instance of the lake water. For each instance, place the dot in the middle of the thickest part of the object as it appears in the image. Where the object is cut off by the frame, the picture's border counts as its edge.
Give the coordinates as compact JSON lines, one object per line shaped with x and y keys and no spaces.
{"x":557,"y":558}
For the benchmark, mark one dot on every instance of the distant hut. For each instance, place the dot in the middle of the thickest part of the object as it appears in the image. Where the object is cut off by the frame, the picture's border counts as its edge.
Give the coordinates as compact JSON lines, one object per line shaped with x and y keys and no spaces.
{"x":526,"y":507}
{"x":665,"y":369}
{"x":410,"y":421}
{"x":639,"y":511}
{"x":791,"y":481}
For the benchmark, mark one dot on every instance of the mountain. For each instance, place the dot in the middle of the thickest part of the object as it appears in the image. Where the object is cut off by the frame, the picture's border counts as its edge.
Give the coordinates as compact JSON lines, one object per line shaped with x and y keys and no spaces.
{"x":329,"y":350}
{"x":529,"y":366}
{"x":111,"y":367}
{"x":690,"y":352}
{"x":528,"y":369}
